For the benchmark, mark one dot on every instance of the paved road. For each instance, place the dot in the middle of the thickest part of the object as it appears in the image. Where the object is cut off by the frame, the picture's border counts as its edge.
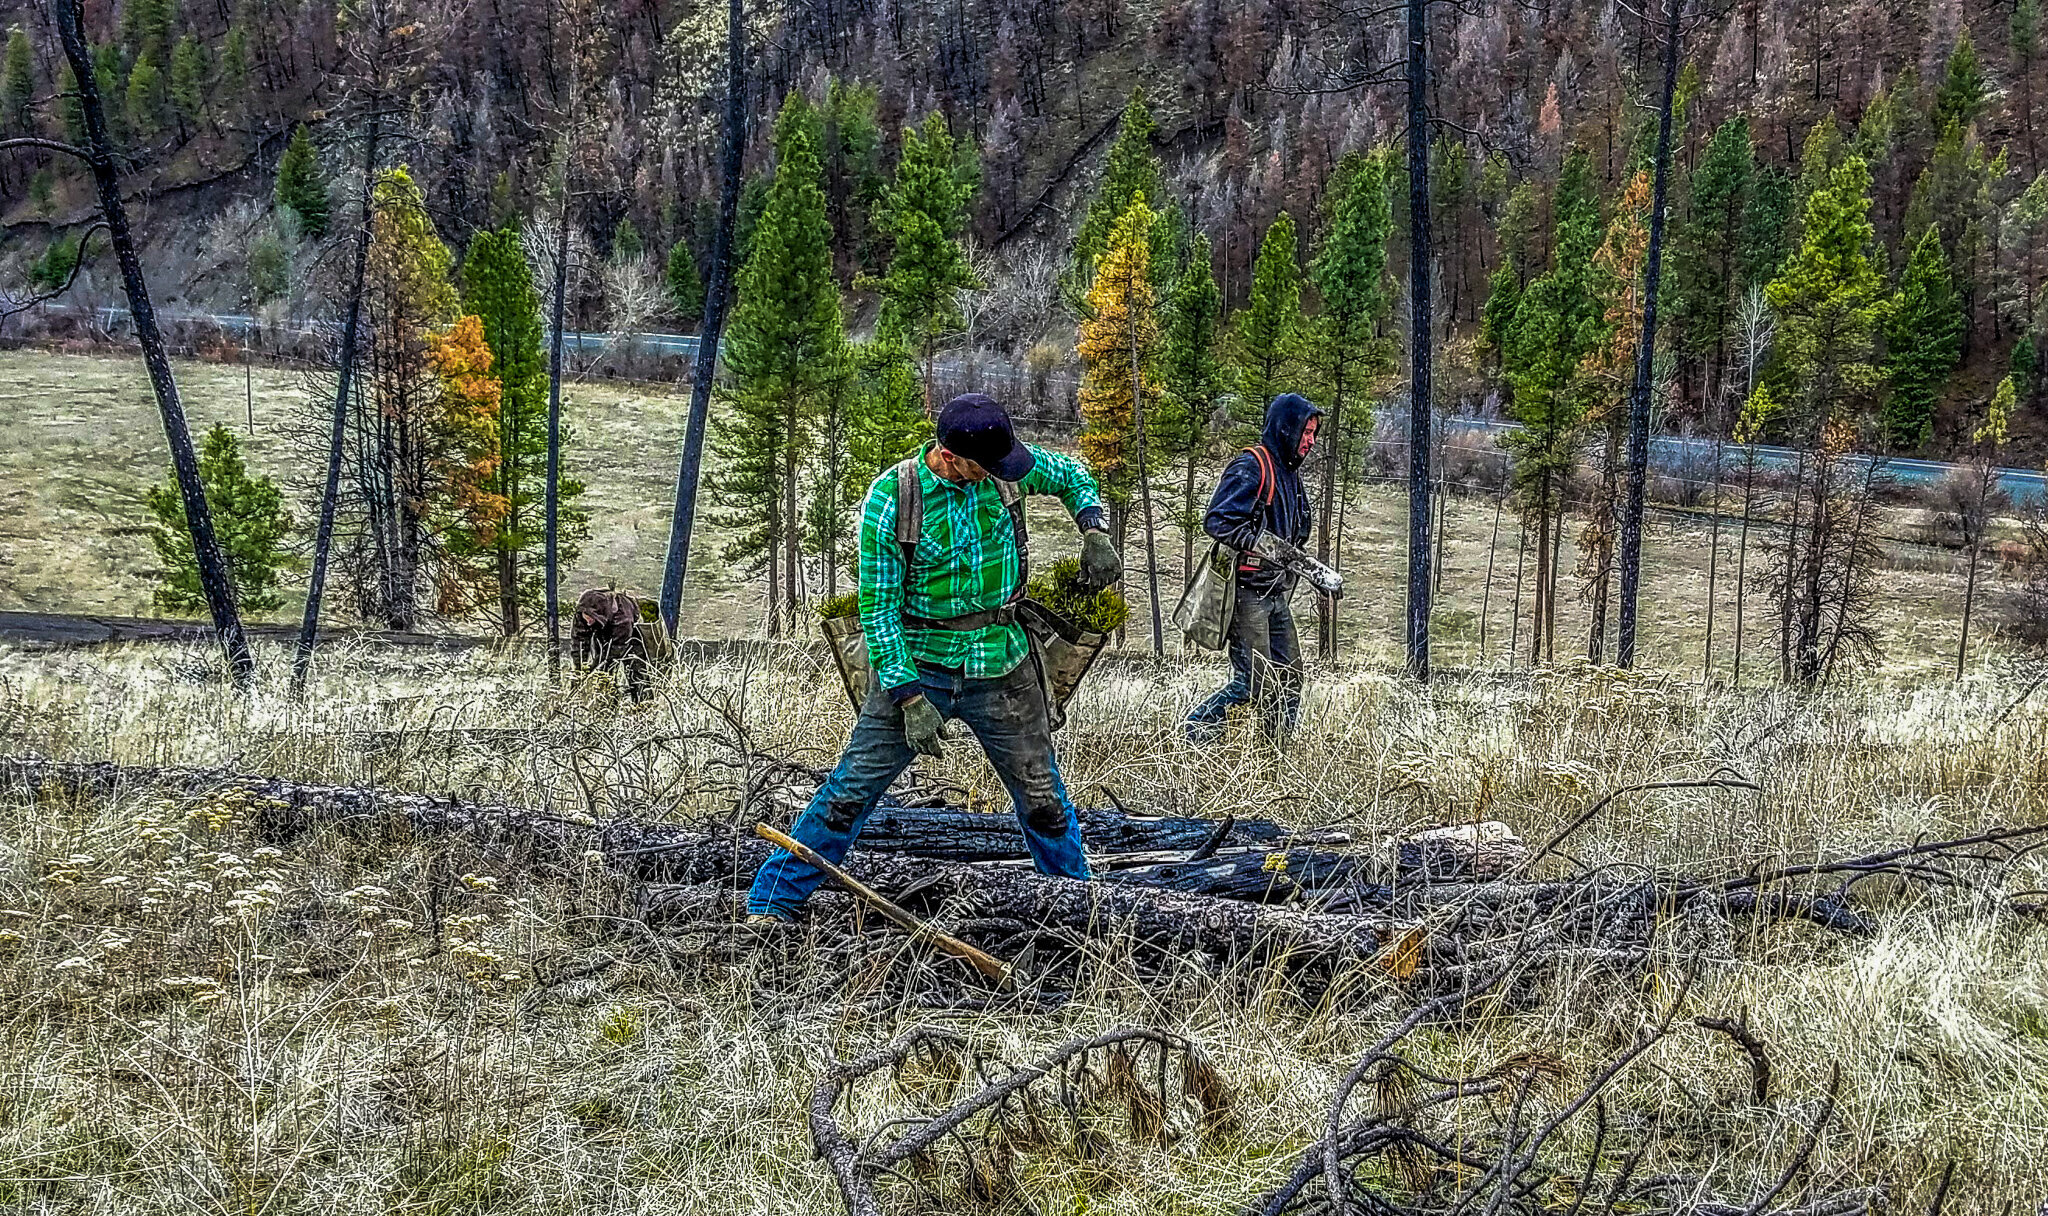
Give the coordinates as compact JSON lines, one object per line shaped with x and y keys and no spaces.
{"x":2026,"y":487}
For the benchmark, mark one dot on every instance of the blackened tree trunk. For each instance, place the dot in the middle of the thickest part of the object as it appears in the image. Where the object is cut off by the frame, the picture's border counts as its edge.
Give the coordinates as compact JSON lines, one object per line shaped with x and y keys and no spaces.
{"x":1419,"y":391}
{"x":1742,"y":557}
{"x":1326,"y":608}
{"x":685,"y":514}
{"x":1713,"y":561}
{"x":1639,"y":396}
{"x":344,"y":384}
{"x":1486,"y":597}
{"x":99,"y":156}
{"x":1145,"y":492}
{"x":551,"y":522}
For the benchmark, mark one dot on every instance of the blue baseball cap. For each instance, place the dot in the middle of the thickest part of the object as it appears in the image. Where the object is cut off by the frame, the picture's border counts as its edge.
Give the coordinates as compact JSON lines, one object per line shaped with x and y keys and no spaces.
{"x":975,"y":427}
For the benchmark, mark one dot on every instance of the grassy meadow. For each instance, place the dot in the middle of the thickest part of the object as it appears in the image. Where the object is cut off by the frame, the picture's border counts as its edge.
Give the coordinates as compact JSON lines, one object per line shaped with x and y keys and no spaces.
{"x":80,"y":445}
{"x":198,"y":1020}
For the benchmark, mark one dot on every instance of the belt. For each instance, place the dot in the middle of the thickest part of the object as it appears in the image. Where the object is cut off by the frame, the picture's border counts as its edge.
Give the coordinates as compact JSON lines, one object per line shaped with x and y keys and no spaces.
{"x":1004,"y":614}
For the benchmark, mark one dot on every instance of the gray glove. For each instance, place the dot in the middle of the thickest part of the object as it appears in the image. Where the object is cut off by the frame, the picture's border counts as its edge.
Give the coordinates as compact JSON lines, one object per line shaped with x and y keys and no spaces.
{"x":1100,"y":566}
{"x":923,"y":727}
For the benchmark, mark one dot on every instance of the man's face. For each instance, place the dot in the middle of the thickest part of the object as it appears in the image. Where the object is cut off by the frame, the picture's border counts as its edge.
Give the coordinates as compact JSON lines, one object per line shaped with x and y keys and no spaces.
{"x":959,"y":468}
{"x":1308,"y":435}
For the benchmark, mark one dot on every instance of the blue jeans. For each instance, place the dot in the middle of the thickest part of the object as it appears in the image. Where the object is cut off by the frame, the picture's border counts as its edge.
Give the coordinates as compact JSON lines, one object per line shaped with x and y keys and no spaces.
{"x":1265,"y":665}
{"x":1007,"y":714}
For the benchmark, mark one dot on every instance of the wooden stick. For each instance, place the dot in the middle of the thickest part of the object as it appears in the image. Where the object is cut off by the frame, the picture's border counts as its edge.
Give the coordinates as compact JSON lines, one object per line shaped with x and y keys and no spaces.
{"x":990,"y":966}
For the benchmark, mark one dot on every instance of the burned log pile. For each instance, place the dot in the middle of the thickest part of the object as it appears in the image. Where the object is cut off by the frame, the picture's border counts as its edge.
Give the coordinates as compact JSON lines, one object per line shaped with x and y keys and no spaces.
{"x":1431,"y":911}
{"x":1430,"y":923}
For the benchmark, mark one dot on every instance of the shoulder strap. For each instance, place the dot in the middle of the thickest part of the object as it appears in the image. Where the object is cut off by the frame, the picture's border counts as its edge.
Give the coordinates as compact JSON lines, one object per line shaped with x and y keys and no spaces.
{"x":910,"y":518}
{"x":1267,"y":482}
{"x":1012,"y":496}
{"x":909,"y":510}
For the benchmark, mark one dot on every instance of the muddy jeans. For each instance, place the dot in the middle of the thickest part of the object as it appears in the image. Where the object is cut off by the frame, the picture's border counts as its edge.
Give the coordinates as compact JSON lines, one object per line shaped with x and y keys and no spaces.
{"x":1007,"y":714}
{"x":1265,"y":667}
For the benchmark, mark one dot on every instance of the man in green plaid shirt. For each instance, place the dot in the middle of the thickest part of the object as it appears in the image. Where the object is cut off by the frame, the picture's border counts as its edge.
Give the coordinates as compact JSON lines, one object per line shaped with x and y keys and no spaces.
{"x":943,"y":641}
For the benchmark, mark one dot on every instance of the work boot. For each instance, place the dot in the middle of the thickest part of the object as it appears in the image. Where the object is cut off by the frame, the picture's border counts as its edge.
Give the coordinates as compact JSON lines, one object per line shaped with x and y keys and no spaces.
{"x":765,"y":918}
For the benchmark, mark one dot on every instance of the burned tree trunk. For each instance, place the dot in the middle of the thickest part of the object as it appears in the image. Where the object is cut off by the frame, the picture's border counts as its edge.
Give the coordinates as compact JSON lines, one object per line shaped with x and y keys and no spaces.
{"x":98,"y":154}
{"x":323,"y":538}
{"x":684,"y":517}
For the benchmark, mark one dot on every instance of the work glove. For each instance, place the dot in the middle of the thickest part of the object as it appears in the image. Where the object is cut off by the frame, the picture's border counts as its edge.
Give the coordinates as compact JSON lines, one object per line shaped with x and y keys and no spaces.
{"x":1100,"y":566}
{"x":923,"y":727}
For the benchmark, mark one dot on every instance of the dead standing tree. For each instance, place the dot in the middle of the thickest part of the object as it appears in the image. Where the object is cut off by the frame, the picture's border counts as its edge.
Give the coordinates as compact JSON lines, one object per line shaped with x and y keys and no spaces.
{"x":98,"y":156}
{"x":1639,"y":393}
{"x":376,"y":50}
{"x":1830,"y":560}
{"x":684,"y":516}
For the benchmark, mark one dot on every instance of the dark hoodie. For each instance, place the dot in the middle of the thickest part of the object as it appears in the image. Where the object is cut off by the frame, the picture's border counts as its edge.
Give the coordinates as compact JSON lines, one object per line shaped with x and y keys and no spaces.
{"x":1236,"y":513}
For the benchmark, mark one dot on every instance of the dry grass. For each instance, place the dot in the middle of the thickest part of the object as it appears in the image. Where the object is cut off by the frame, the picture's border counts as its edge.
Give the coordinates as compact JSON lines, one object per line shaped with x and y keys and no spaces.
{"x":196,"y":1021}
{"x":80,"y":445}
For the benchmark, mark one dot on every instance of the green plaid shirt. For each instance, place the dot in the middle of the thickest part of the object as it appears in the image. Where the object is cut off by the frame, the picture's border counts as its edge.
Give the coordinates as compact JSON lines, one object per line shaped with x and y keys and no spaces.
{"x":966,"y":562}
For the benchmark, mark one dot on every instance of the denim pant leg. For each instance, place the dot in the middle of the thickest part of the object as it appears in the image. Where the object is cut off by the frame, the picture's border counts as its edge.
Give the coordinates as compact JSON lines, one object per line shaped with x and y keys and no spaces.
{"x":875,"y":755}
{"x":1008,"y":716}
{"x":1245,"y":640}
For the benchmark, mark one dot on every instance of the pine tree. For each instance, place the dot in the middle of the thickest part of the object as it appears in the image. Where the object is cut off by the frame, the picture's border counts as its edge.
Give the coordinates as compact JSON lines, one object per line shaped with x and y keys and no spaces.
{"x":1118,"y":347}
{"x":2024,"y":235}
{"x":855,"y":187}
{"x":1954,"y":192}
{"x":17,"y":85}
{"x":109,"y":73}
{"x":1516,"y":232}
{"x":146,"y":27}
{"x":888,"y":421}
{"x":145,"y":98}
{"x":1266,"y":336}
{"x":1130,"y":170}
{"x":1556,"y":324}
{"x":1828,"y":299}
{"x":1923,"y":343}
{"x":1766,"y":226}
{"x":469,"y":514}
{"x":1707,"y":256}
{"x":1829,"y":303}
{"x":1345,"y":344}
{"x":626,"y":243}
{"x":499,"y":290}
{"x":249,"y":521}
{"x":1191,"y":380}
{"x":188,"y":81}
{"x":685,"y":286}
{"x":69,"y":111}
{"x":234,"y":73}
{"x":783,"y":349}
{"x":875,"y":417}
{"x":2025,"y":42}
{"x":1964,"y":93}
{"x":1497,"y":315}
{"x":408,"y":300}
{"x":301,"y":186}
{"x":927,"y":208}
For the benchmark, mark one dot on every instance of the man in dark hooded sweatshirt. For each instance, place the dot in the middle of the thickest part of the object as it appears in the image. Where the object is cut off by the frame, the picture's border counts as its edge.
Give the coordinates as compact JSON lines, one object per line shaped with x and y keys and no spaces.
{"x":1261,"y":491}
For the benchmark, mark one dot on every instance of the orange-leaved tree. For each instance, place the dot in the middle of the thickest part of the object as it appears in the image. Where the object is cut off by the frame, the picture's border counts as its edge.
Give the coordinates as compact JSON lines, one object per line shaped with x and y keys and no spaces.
{"x":1118,"y":343}
{"x":1605,"y":377}
{"x":468,"y":508}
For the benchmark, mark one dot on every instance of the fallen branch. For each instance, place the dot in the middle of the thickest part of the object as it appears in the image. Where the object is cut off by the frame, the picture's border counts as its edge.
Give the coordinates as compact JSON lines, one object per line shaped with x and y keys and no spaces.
{"x":1737,"y":1028}
{"x":857,"y":1165}
{"x":993,"y":968}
